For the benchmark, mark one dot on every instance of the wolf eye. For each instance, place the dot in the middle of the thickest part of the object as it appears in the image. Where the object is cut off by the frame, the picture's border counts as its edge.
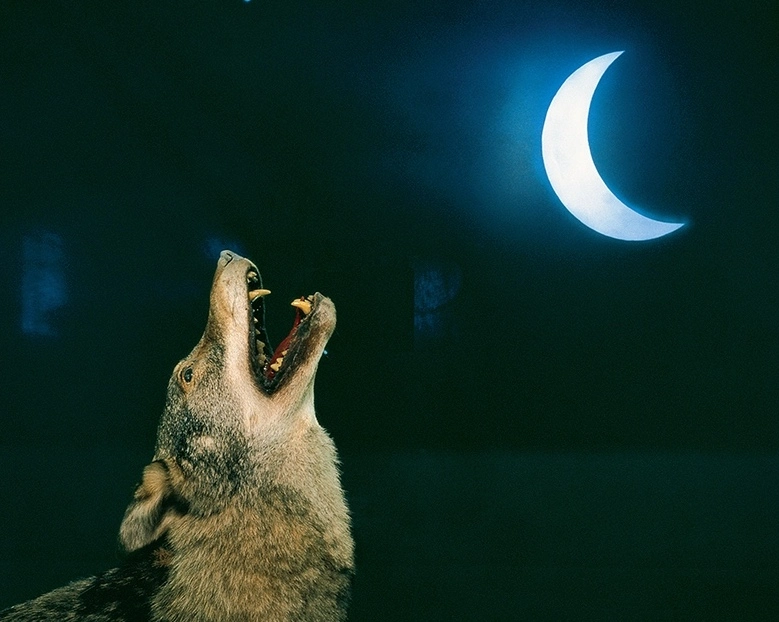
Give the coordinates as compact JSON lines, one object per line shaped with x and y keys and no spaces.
{"x":187,"y":375}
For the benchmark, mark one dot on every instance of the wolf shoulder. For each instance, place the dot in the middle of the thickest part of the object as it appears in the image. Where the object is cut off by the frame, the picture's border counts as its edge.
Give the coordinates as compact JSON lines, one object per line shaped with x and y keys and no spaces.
{"x":121,"y":594}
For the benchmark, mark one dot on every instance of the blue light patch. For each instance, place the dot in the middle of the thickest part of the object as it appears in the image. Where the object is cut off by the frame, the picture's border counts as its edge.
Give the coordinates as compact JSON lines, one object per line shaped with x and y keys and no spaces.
{"x":215,"y":245}
{"x":436,"y":285}
{"x":43,"y":282}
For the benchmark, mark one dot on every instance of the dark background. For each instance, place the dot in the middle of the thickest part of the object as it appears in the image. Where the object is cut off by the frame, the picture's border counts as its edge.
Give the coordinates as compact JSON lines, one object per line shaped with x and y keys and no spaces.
{"x":536,"y":422}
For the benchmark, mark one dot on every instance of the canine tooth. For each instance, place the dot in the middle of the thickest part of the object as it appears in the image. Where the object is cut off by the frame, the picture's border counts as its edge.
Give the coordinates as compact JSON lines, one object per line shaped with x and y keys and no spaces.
{"x":303,"y":305}
{"x":257,"y":293}
{"x":277,"y":365}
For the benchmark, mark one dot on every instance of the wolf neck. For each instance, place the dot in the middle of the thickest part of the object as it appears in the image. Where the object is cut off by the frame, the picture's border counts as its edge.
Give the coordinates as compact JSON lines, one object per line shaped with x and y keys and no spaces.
{"x":282,"y":553}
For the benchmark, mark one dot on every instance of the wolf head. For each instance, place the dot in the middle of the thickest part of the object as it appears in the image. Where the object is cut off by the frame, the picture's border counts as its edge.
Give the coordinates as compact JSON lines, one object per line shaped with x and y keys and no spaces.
{"x":239,"y":445}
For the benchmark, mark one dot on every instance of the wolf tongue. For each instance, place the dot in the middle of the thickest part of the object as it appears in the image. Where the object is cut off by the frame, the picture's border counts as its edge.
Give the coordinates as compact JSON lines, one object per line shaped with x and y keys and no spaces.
{"x":282,"y":348}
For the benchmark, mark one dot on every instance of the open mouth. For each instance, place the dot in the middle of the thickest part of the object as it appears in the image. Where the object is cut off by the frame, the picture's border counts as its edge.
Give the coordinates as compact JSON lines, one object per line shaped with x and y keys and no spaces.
{"x":270,"y":365}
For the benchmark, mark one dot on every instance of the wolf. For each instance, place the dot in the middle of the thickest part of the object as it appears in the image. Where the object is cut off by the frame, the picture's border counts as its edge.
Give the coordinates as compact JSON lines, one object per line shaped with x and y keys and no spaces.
{"x":240,"y":516}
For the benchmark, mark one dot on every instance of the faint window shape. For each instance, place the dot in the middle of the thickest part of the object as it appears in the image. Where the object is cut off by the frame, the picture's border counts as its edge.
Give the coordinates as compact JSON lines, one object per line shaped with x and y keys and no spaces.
{"x":436,"y":285}
{"x":43,"y":282}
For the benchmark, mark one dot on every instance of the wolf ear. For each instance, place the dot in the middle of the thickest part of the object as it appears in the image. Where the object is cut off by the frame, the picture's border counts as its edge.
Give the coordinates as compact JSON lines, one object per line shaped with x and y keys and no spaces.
{"x":153,"y":507}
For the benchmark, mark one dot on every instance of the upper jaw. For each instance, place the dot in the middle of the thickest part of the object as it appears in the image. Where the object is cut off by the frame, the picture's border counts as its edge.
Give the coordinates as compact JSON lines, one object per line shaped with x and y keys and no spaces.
{"x":238,"y":288}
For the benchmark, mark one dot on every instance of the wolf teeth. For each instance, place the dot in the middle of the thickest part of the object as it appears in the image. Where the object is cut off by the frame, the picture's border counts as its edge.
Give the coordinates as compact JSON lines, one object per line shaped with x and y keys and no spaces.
{"x":261,"y":358}
{"x":257,"y":293}
{"x":303,"y":305}
{"x":277,"y":365}
{"x":252,"y":276}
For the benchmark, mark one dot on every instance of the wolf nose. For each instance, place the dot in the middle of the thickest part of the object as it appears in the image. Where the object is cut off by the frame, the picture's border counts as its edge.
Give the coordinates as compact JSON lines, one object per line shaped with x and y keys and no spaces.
{"x":225,"y":257}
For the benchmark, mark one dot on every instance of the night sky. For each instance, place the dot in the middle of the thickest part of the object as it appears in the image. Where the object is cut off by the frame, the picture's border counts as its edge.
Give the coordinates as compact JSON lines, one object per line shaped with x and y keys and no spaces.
{"x":502,"y":377}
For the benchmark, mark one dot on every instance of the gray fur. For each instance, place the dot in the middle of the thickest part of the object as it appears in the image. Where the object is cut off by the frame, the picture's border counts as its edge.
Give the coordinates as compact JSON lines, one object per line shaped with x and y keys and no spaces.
{"x":240,"y":516}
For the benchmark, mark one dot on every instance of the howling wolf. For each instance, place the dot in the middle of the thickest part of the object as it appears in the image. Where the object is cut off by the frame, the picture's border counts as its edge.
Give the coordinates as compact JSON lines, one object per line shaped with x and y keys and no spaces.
{"x":240,"y":516}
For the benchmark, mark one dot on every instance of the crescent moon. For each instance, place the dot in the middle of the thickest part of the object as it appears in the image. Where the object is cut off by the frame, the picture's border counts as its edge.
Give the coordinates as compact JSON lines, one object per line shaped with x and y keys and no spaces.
{"x":571,"y":171}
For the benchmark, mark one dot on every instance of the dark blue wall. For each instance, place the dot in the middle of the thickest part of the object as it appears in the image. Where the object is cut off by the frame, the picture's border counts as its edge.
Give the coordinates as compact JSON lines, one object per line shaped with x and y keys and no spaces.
{"x":536,"y":422}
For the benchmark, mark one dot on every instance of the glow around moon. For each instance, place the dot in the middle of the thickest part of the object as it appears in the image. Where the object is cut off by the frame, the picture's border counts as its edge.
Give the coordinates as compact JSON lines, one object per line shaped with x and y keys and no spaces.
{"x":571,"y":171}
